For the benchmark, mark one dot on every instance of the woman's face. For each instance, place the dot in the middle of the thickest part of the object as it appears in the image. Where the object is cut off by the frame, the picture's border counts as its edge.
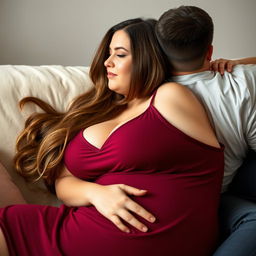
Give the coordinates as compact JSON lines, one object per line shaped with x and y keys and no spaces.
{"x":119,"y":63}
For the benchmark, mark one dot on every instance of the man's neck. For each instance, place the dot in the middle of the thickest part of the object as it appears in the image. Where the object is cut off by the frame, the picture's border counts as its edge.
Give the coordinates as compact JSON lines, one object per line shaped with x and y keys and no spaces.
{"x":181,"y":73}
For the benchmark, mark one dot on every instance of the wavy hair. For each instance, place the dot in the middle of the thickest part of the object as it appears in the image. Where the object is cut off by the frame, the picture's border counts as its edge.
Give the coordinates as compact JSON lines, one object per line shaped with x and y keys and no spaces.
{"x":41,"y":145}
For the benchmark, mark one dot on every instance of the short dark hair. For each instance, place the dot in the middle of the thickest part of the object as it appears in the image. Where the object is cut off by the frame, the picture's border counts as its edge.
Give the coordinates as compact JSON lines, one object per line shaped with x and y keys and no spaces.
{"x":185,"y":33}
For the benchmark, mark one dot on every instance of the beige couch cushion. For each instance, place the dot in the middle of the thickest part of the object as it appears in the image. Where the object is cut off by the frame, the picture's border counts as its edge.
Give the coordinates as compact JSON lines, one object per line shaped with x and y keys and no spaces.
{"x":57,"y":85}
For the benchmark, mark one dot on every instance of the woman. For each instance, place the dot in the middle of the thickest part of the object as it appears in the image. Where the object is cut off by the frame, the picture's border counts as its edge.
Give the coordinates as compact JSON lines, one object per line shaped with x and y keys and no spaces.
{"x":134,"y":160}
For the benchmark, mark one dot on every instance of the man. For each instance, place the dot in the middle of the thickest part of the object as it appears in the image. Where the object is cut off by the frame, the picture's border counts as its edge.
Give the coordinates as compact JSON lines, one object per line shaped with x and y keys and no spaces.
{"x":186,"y":34}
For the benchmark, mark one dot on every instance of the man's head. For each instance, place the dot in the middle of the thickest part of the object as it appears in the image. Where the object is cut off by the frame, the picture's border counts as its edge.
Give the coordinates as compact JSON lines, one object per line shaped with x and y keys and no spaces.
{"x":186,"y":34}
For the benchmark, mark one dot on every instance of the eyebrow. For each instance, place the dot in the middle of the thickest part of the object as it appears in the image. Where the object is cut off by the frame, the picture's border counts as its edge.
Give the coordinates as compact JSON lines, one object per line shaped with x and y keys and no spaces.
{"x":119,"y":48}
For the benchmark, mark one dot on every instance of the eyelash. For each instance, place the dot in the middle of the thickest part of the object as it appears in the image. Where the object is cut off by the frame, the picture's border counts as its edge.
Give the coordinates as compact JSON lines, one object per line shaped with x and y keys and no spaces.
{"x":118,"y":55}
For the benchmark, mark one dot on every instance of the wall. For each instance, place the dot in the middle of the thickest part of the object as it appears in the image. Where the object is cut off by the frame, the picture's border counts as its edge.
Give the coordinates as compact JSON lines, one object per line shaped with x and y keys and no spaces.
{"x":37,"y":32}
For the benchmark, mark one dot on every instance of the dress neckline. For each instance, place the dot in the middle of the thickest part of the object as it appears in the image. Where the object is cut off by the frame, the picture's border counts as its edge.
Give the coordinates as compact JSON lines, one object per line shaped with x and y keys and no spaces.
{"x":119,"y":126}
{"x":112,"y":133}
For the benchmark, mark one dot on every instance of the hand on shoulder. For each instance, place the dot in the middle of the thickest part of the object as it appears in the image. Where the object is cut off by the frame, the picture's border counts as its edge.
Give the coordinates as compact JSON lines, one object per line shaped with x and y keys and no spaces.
{"x":180,"y":107}
{"x":222,"y":65}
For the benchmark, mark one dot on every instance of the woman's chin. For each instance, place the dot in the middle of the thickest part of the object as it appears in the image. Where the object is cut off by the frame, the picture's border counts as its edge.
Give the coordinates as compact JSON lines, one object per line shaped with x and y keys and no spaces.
{"x":113,"y":88}
{"x":117,"y":90}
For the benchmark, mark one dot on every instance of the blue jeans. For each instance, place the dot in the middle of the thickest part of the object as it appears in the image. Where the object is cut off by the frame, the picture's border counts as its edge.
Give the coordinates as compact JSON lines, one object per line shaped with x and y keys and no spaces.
{"x":238,"y":213}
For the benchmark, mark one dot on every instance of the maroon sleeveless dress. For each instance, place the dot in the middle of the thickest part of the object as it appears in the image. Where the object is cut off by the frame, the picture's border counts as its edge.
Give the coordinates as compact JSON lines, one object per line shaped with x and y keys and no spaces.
{"x":182,"y":175}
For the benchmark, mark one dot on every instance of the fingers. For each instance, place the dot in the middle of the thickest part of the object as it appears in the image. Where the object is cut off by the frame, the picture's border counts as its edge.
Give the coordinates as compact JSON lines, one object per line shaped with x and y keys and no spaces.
{"x":113,"y":202}
{"x":127,"y":207}
{"x":125,"y":214}
{"x":230,"y":66}
{"x":129,"y":218}
{"x":132,"y":190}
{"x":220,"y":65}
{"x":136,"y":208}
{"x":118,"y":223}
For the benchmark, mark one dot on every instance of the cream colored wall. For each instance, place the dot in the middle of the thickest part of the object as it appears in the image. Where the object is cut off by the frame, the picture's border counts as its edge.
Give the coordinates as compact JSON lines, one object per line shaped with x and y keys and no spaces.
{"x":35,"y":32}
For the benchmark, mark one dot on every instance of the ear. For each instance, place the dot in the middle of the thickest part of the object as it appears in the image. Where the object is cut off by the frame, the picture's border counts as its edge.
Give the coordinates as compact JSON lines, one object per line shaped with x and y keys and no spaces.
{"x":209,"y":53}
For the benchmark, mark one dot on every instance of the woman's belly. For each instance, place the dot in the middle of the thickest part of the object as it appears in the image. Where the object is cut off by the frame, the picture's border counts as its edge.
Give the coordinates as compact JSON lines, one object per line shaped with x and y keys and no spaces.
{"x":186,"y":221}
{"x":174,"y":200}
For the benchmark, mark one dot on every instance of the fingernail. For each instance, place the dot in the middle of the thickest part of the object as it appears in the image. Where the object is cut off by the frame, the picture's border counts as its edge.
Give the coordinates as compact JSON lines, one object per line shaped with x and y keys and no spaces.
{"x":152,"y":219}
{"x":144,"y":229}
{"x":127,"y":231}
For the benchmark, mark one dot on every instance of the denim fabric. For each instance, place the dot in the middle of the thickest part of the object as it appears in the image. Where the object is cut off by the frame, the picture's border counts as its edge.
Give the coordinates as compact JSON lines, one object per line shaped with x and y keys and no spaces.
{"x":238,"y":213}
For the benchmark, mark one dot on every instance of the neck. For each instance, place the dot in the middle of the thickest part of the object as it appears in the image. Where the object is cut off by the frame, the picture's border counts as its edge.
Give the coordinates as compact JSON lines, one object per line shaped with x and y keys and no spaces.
{"x":205,"y":67}
{"x":137,"y":101}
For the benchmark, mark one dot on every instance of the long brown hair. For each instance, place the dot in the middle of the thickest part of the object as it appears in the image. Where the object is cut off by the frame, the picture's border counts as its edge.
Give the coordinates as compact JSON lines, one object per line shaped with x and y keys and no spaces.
{"x":41,"y":144}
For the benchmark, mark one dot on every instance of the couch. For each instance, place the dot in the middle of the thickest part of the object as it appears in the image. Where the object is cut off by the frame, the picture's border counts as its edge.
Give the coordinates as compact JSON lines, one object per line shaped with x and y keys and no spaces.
{"x":57,"y":85}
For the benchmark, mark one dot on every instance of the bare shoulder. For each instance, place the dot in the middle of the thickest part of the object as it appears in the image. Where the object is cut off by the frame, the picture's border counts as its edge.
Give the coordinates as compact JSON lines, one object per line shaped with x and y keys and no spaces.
{"x":177,"y":97}
{"x":181,"y":108}
{"x":173,"y":87}
{"x":177,"y":93}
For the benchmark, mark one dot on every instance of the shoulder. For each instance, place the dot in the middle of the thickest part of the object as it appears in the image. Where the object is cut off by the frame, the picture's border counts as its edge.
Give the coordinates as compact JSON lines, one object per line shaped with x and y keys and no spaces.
{"x":172,"y":88}
{"x":176,"y":95}
{"x":246,"y":67}
{"x":247,"y":71}
{"x":180,"y":107}
{"x":245,"y":78}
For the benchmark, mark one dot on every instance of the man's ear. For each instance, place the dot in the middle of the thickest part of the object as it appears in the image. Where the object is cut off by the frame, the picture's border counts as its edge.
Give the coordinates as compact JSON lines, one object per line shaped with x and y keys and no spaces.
{"x":209,"y":53}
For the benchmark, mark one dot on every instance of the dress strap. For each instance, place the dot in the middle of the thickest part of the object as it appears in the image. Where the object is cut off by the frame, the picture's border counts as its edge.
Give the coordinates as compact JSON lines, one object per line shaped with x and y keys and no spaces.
{"x":153,"y":97}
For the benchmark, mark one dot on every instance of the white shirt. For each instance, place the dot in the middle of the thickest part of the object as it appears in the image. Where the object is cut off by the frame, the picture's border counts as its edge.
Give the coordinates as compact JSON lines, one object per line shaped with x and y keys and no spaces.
{"x":230,"y":101}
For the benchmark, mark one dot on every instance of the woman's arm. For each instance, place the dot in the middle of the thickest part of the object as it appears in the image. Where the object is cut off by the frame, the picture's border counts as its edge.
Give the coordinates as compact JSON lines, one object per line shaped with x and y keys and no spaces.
{"x":112,"y":201}
{"x":77,"y":193}
{"x":251,"y":60}
{"x":221,"y":65}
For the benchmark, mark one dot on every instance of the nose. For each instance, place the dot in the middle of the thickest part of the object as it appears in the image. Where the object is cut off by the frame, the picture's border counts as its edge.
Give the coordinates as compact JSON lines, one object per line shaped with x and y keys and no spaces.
{"x":109,"y":62}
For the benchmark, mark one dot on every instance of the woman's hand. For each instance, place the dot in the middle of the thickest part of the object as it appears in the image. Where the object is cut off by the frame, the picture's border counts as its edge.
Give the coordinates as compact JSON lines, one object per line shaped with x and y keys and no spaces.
{"x":113,"y":202}
{"x":221,"y":65}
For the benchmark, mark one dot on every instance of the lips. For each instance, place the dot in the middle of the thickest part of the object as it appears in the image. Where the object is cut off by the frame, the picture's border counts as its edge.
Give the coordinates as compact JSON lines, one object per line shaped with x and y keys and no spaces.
{"x":111,"y":75}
